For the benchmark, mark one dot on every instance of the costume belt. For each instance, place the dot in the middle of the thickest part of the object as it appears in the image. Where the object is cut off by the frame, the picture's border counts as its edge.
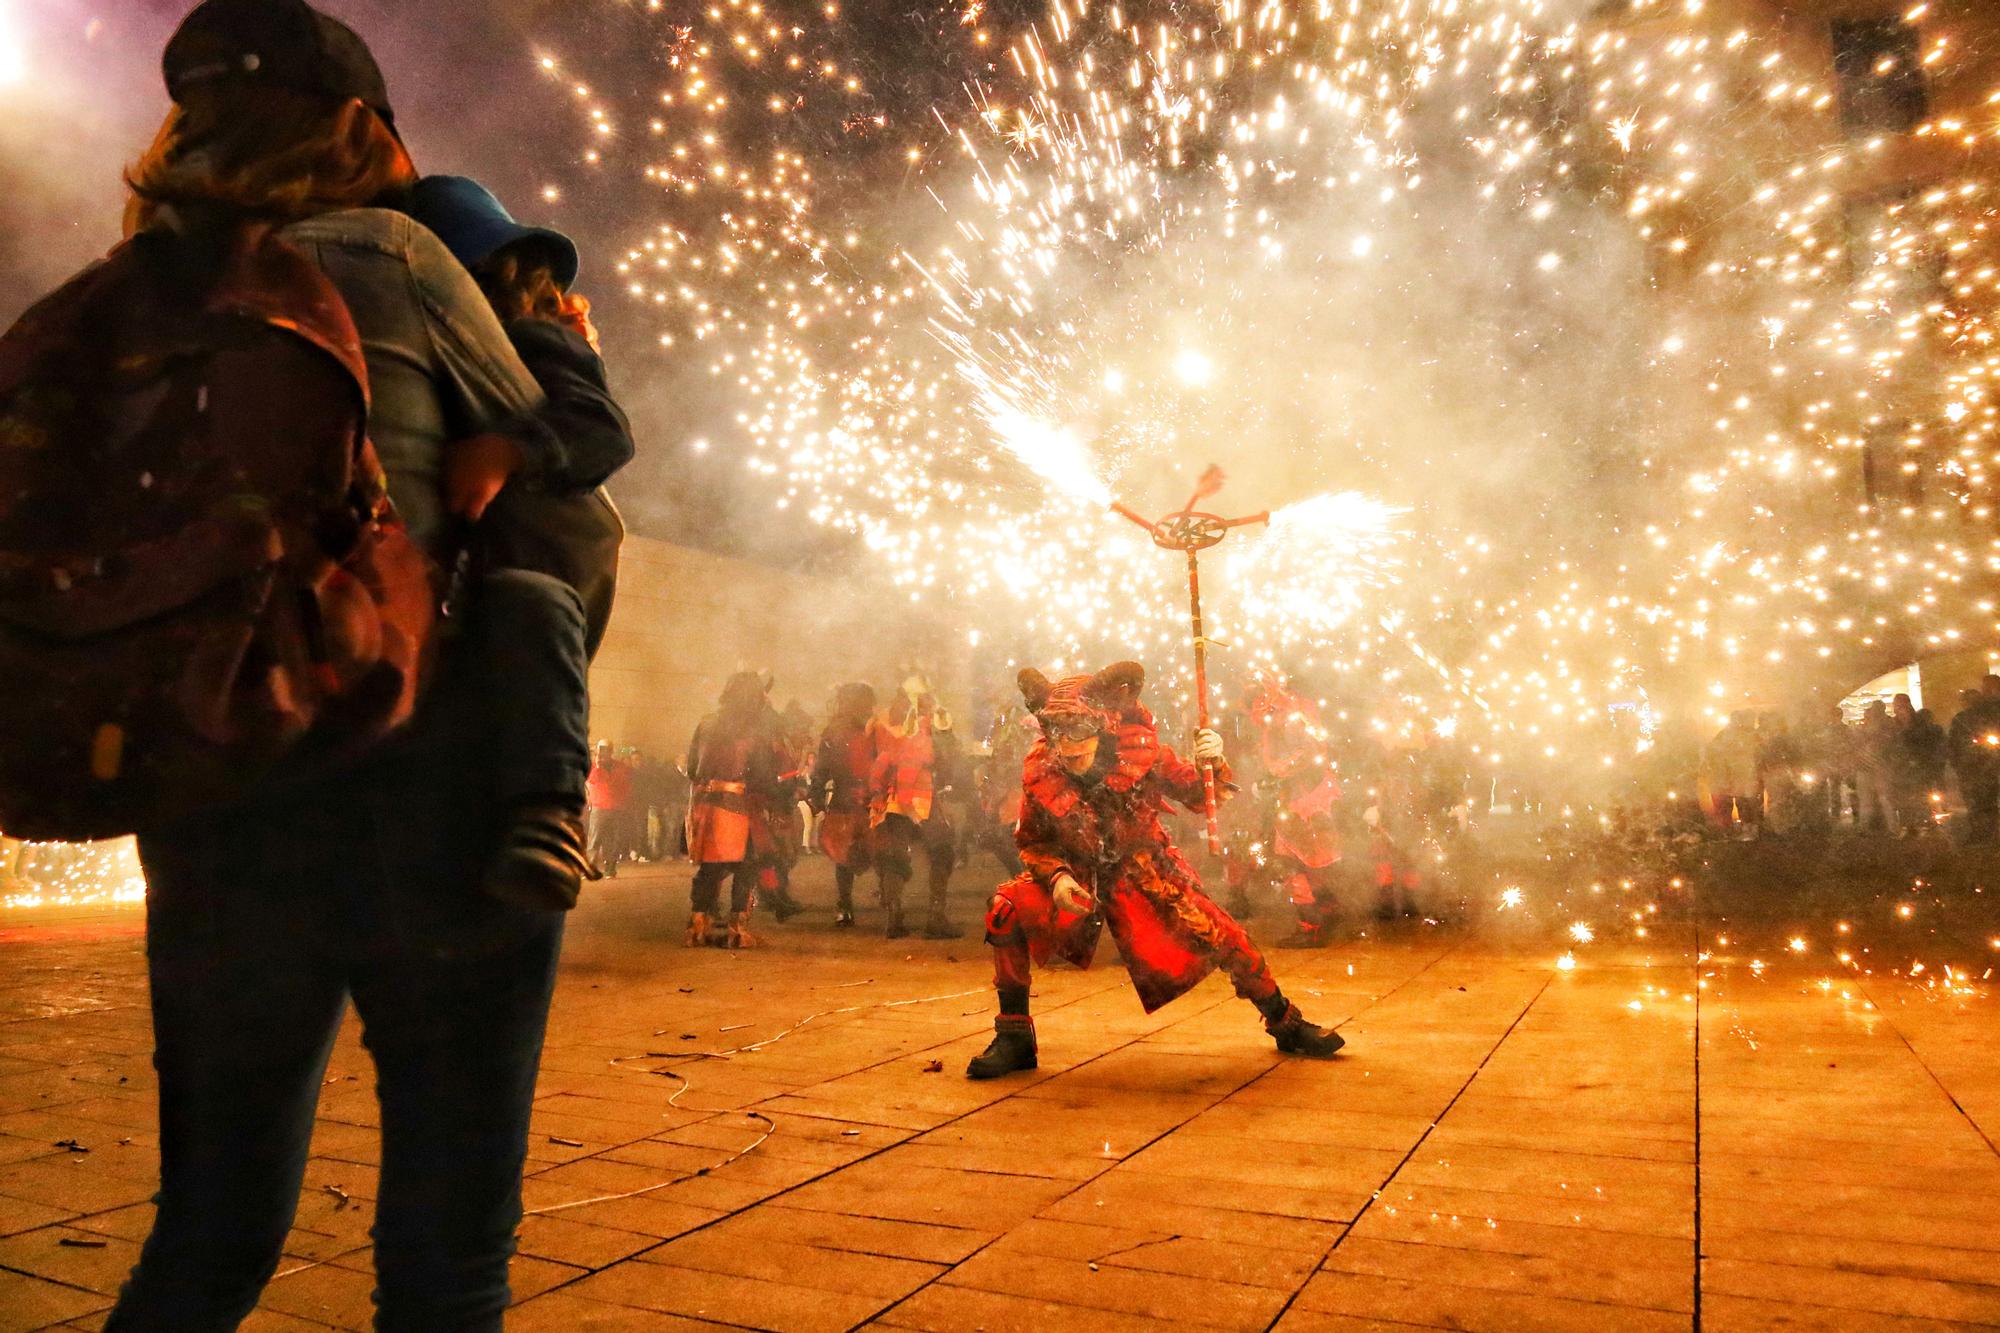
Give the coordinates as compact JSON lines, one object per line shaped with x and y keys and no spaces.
{"x":717,"y":788}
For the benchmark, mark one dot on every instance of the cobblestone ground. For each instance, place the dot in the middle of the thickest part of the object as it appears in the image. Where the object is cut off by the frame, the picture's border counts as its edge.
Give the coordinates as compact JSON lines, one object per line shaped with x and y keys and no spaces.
{"x":1653,"y":1140}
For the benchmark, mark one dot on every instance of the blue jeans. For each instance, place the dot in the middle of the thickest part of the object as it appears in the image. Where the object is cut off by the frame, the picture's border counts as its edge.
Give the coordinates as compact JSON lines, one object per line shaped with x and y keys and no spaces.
{"x":262,"y":922}
{"x":526,"y":631}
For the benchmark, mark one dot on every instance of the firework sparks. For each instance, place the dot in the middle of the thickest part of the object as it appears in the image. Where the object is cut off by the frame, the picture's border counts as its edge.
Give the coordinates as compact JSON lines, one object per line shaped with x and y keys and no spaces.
{"x":1119,"y":259}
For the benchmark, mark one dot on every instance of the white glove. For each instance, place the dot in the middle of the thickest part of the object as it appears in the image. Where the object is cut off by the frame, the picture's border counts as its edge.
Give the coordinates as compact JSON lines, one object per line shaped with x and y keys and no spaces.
{"x":1071,"y":897}
{"x":1208,"y":745}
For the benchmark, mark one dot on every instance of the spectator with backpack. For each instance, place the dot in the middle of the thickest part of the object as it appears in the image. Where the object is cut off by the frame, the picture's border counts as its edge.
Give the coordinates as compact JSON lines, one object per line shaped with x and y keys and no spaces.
{"x":240,"y":684}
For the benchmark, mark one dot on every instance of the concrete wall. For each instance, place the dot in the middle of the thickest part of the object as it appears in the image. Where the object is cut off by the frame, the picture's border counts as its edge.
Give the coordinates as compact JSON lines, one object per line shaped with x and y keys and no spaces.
{"x":686,"y":619}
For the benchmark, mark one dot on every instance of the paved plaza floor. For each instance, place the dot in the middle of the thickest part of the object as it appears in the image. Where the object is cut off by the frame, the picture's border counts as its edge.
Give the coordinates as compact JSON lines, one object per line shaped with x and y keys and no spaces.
{"x":1677,"y":1132}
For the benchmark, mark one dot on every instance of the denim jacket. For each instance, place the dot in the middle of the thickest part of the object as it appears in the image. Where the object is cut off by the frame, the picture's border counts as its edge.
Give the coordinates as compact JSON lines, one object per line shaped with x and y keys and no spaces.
{"x":440,"y":367}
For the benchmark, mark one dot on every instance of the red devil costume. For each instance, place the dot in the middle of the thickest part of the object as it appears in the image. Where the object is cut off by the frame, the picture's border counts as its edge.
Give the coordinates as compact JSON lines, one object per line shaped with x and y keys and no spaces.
{"x":734,"y":766}
{"x":1304,"y":841}
{"x":1097,"y":855}
{"x":792,"y":731}
{"x":916,"y":758}
{"x":838,"y":790}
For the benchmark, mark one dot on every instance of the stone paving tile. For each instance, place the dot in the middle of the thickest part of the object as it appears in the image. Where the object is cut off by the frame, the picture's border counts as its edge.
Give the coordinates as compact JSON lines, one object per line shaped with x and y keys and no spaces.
{"x":579,"y":1243}
{"x":1739,"y":1314}
{"x":18,"y":1215}
{"x":70,"y":1183}
{"x":1584,"y":1274}
{"x":1139,"y":1202}
{"x":1803,"y":1216}
{"x":1665,"y":1217}
{"x":71,"y":1256}
{"x":726,"y":1297}
{"x":924,"y":1242}
{"x":328,"y":1293}
{"x":947,"y":1309}
{"x":1162,"y":1252}
{"x":1844,"y":1290}
{"x":1579,"y":1246}
{"x":1434,"y":1300}
{"x":1514,"y":1148}
{"x":1280,"y":1125}
{"x":1194,"y":1301}
{"x":644,"y":1214}
{"x":1917,"y":1256}
{"x":529,"y":1276}
{"x":28,"y":1302}
{"x":1296,"y":1320}
{"x":843,"y":1271}
{"x":885,"y":1187}
{"x":563,"y":1312}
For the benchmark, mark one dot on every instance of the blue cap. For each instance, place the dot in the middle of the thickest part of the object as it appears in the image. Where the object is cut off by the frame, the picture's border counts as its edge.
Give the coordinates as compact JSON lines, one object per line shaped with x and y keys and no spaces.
{"x":475,"y":226}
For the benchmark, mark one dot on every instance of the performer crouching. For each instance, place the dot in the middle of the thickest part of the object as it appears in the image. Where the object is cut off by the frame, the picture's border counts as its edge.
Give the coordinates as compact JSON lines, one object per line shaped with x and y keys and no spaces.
{"x":1096,"y":854}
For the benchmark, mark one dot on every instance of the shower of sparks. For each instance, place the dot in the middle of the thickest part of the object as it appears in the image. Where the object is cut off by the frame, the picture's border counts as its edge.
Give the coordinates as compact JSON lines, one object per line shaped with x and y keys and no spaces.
{"x":1618,"y":403}
{"x":69,"y":874}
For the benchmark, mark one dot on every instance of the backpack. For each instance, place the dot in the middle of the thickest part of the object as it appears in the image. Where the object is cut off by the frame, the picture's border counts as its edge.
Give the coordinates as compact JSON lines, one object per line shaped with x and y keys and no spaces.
{"x":202,"y":581}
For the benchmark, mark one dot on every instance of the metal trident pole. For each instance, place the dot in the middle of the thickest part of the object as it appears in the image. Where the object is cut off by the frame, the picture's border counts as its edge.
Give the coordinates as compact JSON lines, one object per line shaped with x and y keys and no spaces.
{"x":1193,"y":532}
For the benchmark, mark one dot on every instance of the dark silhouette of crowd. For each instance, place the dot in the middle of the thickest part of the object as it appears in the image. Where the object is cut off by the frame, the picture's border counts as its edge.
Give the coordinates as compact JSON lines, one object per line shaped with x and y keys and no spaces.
{"x":1886,"y":769}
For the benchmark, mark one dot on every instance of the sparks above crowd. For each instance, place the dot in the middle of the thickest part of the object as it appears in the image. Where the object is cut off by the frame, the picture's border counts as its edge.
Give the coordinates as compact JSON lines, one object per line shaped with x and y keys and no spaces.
{"x":1586,"y":364}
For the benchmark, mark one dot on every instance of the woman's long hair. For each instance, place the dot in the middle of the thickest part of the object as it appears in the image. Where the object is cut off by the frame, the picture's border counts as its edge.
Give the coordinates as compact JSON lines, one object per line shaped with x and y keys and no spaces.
{"x":520,"y":283}
{"x":249,"y":150}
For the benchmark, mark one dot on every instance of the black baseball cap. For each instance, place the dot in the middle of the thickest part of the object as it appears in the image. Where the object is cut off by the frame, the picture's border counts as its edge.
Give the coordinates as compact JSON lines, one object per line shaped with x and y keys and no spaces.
{"x":286,"y":43}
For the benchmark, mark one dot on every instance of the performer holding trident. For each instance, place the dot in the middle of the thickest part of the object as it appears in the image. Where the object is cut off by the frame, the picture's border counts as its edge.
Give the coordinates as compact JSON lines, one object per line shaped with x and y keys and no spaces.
{"x":1096,"y":854}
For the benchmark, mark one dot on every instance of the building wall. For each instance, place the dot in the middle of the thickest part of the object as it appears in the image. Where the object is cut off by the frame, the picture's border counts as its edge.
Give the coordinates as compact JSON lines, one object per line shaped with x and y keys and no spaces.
{"x":686,"y":619}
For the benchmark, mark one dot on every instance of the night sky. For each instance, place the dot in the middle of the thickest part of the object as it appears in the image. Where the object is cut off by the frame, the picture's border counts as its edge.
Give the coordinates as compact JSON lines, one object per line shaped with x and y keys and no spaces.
{"x":470,"y":101}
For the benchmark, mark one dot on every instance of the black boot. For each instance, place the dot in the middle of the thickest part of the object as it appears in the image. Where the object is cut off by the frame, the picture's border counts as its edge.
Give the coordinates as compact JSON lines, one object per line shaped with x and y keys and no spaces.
{"x":892,"y":899}
{"x":783,"y":905}
{"x":843,"y":885}
{"x":938,"y":926}
{"x":542,"y":863}
{"x":1011,"y":1050}
{"x":1295,"y":1036}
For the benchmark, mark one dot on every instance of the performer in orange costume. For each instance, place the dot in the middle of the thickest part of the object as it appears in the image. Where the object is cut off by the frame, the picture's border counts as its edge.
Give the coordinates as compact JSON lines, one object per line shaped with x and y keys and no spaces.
{"x":839,"y":790}
{"x":734,"y":765}
{"x":916,"y":758}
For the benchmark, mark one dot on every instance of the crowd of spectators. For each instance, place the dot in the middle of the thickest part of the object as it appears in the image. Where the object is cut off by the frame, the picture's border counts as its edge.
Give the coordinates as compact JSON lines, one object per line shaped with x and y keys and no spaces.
{"x":1891,"y":770}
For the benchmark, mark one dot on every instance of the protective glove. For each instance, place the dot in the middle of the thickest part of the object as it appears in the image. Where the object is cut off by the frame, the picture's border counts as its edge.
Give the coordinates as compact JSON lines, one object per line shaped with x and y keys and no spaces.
{"x":1208,"y":745}
{"x":1071,"y":897}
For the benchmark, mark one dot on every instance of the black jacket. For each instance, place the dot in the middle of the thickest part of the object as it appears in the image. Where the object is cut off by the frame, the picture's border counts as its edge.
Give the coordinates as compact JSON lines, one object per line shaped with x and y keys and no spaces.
{"x":593,"y":437}
{"x":555,"y":518}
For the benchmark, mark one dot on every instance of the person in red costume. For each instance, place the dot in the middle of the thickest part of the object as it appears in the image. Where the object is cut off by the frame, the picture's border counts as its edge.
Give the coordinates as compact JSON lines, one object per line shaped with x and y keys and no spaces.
{"x":1097,"y":855}
{"x":838,"y":790}
{"x":608,"y":796}
{"x":1304,"y":841}
{"x":916,"y":759}
{"x":734,"y":764}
